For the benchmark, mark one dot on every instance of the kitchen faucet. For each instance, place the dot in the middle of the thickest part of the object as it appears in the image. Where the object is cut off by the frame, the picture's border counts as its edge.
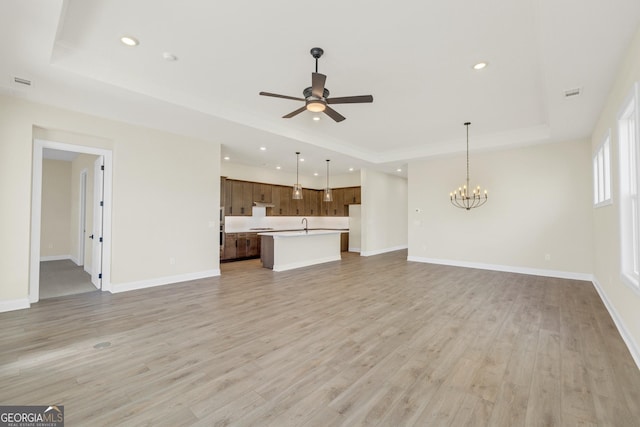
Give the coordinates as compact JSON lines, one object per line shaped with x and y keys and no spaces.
{"x":306,"y":225}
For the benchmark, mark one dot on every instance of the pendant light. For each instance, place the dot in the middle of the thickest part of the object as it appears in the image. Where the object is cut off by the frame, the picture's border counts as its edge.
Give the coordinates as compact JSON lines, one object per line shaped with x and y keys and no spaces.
{"x":328,"y":197}
{"x":465,"y":197}
{"x":297,"y":188}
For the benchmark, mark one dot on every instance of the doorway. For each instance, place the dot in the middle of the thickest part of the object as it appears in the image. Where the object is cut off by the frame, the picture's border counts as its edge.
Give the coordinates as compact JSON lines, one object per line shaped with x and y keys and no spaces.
{"x":97,"y":250}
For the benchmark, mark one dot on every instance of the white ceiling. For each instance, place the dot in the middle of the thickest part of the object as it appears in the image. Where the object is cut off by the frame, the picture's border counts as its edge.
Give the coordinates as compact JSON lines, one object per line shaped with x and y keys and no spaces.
{"x":414,"y":57}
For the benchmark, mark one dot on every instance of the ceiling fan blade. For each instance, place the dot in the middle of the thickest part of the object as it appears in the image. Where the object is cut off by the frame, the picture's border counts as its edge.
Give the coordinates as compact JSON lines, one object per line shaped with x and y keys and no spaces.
{"x":317,"y":84}
{"x":295,"y":113}
{"x":334,"y":114}
{"x":350,"y":99}
{"x":275,"y":95}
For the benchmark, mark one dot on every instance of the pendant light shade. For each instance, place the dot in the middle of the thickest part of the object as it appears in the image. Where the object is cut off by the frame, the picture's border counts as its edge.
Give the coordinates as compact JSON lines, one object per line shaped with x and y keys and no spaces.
{"x":328,"y":196}
{"x":297,"y":188}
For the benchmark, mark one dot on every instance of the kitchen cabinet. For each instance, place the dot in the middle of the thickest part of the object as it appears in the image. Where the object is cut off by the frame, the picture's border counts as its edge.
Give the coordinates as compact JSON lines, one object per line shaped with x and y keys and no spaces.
{"x":344,"y":242}
{"x":281,"y":199}
{"x":297,"y":206}
{"x":230,"y":246}
{"x":312,"y":202}
{"x":253,"y":245}
{"x":240,"y":246}
{"x":241,"y":198}
{"x":262,"y":192}
{"x":351,"y":195}
{"x":335,"y":207}
{"x":228,"y":190}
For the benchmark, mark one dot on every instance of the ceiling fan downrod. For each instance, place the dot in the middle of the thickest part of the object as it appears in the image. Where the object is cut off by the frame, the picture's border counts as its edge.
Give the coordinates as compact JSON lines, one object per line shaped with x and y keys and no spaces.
{"x":316,"y":52}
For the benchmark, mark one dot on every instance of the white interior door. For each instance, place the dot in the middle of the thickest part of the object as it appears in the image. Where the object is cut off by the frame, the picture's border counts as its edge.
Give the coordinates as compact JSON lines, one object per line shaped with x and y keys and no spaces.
{"x":82,"y":232}
{"x":98,"y":206}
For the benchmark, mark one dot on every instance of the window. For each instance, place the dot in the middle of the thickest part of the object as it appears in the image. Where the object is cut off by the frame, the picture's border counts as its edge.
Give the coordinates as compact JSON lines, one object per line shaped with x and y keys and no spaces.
{"x":629,"y":142}
{"x":602,"y":173}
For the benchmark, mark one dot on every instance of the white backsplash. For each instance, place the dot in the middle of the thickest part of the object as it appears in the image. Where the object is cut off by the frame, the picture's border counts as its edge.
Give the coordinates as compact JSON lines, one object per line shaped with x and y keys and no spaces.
{"x":239,"y":224}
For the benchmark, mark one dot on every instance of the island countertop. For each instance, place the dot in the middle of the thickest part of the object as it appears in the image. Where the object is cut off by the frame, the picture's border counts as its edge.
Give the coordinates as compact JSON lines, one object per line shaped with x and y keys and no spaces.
{"x":300,"y":233}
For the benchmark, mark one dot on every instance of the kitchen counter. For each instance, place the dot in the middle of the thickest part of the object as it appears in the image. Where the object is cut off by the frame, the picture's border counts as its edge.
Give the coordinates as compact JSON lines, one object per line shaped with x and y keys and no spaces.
{"x":278,"y":230}
{"x":286,"y":250}
{"x":300,"y":233}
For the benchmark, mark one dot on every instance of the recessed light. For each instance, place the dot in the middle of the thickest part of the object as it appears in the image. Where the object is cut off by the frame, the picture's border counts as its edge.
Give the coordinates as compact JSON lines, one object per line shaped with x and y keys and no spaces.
{"x":316,"y":118}
{"x":315,"y":174}
{"x":263,"y":148}
{"x":227,"y":157}
{"x":278,"y":167}
{"x":302,"y":160}
{"x":168,"y":56}
{"x":129,"y":41}
{"x":480,"y":65}
{"x":350,"y":169}
{"x":398,"y":170}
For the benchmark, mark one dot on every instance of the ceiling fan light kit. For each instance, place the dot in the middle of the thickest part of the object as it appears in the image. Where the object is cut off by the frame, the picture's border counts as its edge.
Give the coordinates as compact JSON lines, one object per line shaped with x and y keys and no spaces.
{"x":316,"y":97}
{"x":464,"y":197}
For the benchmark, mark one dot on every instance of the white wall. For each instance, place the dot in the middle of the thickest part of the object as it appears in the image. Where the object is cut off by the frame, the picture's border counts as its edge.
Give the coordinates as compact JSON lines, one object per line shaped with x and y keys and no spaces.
{"x":383,"y":213}
{"x":355,"y":227}
{"x":539,"y":204}
{"x":623,"y":302}
{"x":55,"y":240}
{"x":166,"y":194}
{"x":273,"y":176}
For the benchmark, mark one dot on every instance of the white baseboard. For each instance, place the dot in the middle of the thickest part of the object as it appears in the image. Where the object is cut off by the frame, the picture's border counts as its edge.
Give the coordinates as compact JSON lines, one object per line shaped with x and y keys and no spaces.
{"x":354,"y":249}
{"x":506,"y":268}
{"x":87,"y":268}
{"x":305,"y":263}
{"x":75,"y":260}
{"x":14,"y":304}
{"x":115,"y":288}
{"x":633,"y":347}
{"x":55,"y":258}
{"x":383,"y":251}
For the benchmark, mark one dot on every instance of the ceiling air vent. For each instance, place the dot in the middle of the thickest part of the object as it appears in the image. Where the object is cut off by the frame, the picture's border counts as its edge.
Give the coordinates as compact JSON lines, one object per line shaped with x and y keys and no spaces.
{"x":22,"y":81}
{"x":572,"y":93}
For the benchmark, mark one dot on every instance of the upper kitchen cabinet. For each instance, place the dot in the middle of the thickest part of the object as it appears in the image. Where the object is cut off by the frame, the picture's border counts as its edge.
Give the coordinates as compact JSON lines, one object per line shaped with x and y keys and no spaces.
{"x":228,"y":191}
{"x":351,"y":195}
{"x":262,"y":192}
{"x":311,"y":202}
{"x":241,"y":198}
{"x":281,"y":199}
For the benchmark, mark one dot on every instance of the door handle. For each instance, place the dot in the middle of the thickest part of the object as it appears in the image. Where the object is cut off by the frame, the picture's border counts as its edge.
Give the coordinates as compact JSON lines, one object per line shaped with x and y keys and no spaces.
{"x":91,"y":237}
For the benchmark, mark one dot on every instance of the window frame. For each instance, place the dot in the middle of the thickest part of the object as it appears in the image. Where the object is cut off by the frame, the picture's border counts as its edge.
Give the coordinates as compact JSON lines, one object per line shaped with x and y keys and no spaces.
{"x":629,"y":204}
{"x":602,"y":173}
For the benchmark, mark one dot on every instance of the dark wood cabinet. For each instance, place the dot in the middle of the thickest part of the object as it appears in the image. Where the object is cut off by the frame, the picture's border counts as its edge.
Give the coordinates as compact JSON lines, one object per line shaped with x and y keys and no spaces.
{"x":239,"y":197}
{"x":344,"y":242}
{"x":262,"y":192}
{"x":228,"y":191}
{"x":312,"y":202}
{"x":230,"y":246}
{"x":241,"y":245}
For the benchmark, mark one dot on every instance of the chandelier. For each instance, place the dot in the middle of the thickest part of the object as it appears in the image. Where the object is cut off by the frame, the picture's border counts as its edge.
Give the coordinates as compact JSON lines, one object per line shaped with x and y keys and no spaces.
{"x":465,"y":197}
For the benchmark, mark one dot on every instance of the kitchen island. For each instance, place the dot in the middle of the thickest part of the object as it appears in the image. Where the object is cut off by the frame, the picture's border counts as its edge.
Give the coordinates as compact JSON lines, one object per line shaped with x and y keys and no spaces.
{"x":286,"y":250}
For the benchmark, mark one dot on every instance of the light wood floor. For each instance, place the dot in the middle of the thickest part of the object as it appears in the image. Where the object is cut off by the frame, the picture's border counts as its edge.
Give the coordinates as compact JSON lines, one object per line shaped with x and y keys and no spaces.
{"x":365,"y":341}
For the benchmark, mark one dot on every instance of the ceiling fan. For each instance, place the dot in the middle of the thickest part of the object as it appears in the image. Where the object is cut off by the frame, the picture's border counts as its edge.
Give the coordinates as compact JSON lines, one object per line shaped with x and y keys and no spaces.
{"x":316,"y":98}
